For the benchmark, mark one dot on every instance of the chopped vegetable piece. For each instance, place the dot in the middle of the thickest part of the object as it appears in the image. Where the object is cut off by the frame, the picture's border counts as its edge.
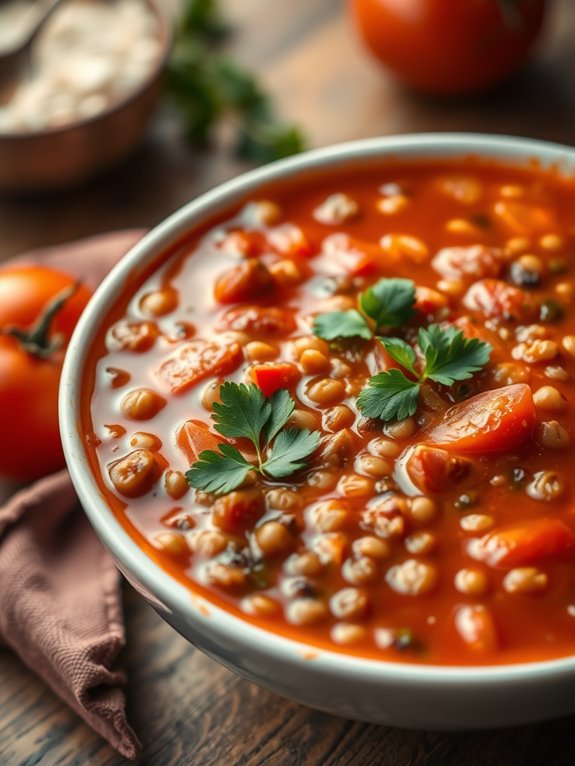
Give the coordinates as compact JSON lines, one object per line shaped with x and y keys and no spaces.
{"x":493,"y":421}
{"x":528,"y":543}
{"x":245,"y":282}
{"x":194,"y":437}
{"x":273,"y":376}
{"x":197,"y":360}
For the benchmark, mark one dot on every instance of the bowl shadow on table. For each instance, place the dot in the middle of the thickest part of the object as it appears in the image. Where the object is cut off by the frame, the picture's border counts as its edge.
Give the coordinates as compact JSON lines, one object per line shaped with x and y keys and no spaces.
{"x":190,"y":711}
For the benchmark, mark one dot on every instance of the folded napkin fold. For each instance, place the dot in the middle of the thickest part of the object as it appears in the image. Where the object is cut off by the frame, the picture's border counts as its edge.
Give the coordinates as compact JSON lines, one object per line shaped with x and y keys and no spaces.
{"x":60,"y":599}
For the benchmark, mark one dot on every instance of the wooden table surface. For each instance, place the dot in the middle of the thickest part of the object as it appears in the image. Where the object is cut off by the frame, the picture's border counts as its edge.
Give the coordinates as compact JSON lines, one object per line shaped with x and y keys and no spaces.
{"x":186,"y":709}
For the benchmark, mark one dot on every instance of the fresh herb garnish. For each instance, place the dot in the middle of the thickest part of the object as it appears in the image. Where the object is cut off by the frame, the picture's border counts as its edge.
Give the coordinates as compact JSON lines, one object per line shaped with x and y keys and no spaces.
{"x":206,"y":87}
{"x":244,"y":412}
{"x":342,"y":324}
{"x":387,"y":303}
{"x":449,"y":357}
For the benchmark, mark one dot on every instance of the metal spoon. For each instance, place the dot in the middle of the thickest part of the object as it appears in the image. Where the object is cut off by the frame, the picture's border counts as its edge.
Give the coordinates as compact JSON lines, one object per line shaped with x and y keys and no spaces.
{"x":15,"y":63}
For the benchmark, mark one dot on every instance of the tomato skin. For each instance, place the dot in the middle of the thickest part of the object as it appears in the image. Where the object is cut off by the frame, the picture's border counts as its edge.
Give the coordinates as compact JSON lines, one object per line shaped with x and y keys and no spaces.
{"x":31,"y":445}
{"x":446,"y":47}
{"x":493,"y":421}
{"x":272,"y":376}
{"x":25,"y":291}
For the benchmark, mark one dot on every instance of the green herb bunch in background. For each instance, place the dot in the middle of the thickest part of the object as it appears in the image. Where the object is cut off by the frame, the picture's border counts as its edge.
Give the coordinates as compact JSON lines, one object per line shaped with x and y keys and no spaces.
{"x":206,"y":87}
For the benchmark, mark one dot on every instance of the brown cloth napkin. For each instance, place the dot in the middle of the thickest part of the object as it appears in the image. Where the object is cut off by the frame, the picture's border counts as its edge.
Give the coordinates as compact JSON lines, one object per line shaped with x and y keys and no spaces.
{"x":60,"y":600}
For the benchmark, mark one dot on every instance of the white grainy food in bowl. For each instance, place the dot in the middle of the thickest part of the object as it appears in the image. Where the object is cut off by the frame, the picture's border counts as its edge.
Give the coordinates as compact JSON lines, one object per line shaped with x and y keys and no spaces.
{"x":89,"y":56}
{"x":417,"y":696}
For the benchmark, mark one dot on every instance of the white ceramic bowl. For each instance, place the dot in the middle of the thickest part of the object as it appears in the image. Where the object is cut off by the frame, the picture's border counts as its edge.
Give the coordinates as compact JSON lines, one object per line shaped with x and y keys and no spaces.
{"x":394,"y":694}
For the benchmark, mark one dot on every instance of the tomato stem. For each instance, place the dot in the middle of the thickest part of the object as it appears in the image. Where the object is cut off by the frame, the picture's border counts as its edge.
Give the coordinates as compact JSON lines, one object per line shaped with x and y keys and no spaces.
{"x":36,"y":340}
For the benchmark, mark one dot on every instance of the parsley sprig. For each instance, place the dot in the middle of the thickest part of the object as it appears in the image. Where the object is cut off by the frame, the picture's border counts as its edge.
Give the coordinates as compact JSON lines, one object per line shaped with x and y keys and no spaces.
{"x":244,"y":412}
{"x":449,"y":357}
{"x":207,"y":88}
{"x":387,"y":303}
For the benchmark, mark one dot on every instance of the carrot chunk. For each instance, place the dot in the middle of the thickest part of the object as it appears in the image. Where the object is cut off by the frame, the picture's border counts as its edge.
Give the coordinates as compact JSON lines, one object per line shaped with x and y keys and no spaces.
{"x":527,"y":543}
{"x":273,"y":376}
{"x":194,"y":437}
{"x":197,"y":360}
{"x":493,"y":421}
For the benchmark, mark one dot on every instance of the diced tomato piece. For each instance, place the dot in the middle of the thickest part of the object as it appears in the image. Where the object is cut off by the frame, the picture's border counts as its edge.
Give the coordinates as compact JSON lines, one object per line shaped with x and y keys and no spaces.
{"x":429,"y":302}
{"x":493,"y":421}
{"x":473,"y":262}
{"x":476,"y":627}
{"x":527,"y":543}
{"x":495,"y":298}
{"x":193,"y":437}
{"x":274,"y":375}
{"x":261,"y":320}
{"x":251,"y":279}
{"x":436,"y":470}
{"x":354,"y":257}
{"x":290,"y":240}
{"x":197,"y":360}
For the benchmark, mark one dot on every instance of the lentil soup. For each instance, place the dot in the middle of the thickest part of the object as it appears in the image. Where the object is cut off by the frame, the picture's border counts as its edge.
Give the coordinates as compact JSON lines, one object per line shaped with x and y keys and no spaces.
{"x":344,"y":412}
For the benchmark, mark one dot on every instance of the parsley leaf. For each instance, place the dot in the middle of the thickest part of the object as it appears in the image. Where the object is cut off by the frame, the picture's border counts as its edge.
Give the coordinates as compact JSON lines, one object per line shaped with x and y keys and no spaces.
{"x":341,"y":324}
{"x":244,"y":412}
{"x":282,"y":407}
{"x":389,"y":302}
{"x":389,"y":396}
{"x":289,"y":451}
{"x":449,"y":357}
{"x":401,"y":352}
{"x":219,"y":472}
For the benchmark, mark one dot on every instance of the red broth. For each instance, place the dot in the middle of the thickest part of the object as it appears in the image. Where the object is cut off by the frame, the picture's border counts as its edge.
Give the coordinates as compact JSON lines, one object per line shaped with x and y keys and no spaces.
{"x":447,"y":537}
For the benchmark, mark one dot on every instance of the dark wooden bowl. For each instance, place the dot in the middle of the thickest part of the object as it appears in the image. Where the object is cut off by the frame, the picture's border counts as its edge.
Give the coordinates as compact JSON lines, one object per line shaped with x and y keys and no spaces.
{"x":66,"y":156}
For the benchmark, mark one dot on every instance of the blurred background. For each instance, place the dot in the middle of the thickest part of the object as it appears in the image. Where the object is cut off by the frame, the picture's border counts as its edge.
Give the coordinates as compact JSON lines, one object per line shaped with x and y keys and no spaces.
{"x":298,"y":72}
{"x":310,"y":68}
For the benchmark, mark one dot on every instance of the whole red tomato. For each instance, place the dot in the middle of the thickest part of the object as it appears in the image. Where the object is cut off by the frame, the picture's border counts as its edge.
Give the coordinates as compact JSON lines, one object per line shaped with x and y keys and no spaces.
{"x":449,"y":47}
{"x":30,"y":366}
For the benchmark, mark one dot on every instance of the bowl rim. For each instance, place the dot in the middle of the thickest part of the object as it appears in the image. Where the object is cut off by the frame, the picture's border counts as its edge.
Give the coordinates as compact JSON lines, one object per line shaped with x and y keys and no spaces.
{"x":165,"y":28}
{"x":170,"y":593}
